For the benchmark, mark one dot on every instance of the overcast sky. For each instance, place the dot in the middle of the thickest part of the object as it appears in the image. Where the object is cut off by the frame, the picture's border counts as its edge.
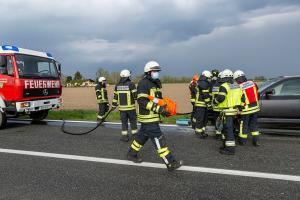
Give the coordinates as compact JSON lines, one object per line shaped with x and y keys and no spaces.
{"x":260,"y":37}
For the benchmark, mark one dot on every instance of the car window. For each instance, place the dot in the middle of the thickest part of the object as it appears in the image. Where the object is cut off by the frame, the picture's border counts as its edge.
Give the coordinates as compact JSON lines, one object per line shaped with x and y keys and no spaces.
{"x":290,"y":87}
{"x":10,"y":68}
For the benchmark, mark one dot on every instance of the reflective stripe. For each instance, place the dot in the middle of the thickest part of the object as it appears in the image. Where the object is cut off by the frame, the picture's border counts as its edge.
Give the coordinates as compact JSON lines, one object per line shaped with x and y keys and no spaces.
{"x":134,"y":131}
{"x":161,"y":150}
{"x":199,"y":130}
{"x":124,"y":132}
{"x":230,"y":143}
{"x":142,"y":95}
{"x":149,"y":105}
{"x":222,"y":93}
{"x":241,"y":134}
{"x":255,"y":133}
{"x":163,"y":156}
{"x":250,"y":111}
{"x":133,"y":90}
{"x":136,"y":146}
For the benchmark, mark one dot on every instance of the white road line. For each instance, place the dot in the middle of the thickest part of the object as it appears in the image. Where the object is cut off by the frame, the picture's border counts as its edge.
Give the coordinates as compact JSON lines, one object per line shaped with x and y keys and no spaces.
{"x":91,"y":122}
{"x":156,"y":165}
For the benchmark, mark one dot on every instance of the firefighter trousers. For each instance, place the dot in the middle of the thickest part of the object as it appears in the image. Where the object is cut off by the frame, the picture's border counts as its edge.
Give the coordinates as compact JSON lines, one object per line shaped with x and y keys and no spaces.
{"x":128,"y":115}
{"x":103,"y":108}
{"x":151,"y":131}
{"x":229,"y":142}
{"x":193,"y":119}
{"x":248,"y":124}
{"x":200,"y":116}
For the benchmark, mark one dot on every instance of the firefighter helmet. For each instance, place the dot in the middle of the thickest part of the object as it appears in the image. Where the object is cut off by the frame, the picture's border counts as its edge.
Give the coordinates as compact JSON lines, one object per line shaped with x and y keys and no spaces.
{"x":125,"y":73}
{"x":101,"y":79}
{"x":238,"y":74}
{"x":152,"y":66}
{"x":207,"y":74}
{"x":227,"y":73}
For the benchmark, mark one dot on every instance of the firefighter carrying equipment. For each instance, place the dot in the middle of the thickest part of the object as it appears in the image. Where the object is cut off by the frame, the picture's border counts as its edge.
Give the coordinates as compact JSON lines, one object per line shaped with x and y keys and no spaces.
{"x":89,"y":131}
{"x":202,"y":98}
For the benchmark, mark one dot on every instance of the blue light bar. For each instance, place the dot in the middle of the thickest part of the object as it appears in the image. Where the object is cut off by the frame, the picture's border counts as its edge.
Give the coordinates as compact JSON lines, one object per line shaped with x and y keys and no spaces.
{"x":10,"y":48}
{"x":49,"y":55}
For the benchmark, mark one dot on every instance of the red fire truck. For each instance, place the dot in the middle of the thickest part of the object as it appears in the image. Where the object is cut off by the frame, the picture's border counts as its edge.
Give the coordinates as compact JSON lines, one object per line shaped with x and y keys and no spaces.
{"x":29,"y":83}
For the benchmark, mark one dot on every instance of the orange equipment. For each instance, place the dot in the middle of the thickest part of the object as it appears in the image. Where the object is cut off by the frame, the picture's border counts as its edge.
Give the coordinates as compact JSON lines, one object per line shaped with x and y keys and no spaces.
{"x":195,"y":78}
{"x":169,"y":104}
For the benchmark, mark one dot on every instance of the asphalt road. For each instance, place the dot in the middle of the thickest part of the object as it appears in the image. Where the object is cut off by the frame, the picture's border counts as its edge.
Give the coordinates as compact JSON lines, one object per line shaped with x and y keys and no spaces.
{"x":35,"y":177}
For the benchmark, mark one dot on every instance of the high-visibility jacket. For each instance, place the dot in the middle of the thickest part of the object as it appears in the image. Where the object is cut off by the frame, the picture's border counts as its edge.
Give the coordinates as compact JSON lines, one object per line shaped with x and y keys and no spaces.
{"x":202,"y":98}
{"x":250,"y":91}
{"x":214,"y":92}
{"x":232,"y":96}
{"x":101,"y":93}
{"x":193,"y":91}
{"x":125,"y":94}
{"x":148,"y":110}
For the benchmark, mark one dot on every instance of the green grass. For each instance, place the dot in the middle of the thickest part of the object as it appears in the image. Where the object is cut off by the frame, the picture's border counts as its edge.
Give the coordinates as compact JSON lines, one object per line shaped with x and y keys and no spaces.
{"x":91,"y":115}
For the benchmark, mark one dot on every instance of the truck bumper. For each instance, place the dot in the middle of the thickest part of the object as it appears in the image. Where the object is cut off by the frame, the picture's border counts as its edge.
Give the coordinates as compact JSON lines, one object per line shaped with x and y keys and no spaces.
{"x":37,"y":105}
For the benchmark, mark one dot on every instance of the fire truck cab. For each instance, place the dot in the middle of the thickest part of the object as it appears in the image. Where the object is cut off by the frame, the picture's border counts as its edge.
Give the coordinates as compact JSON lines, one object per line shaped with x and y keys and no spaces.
{"x":29,"y":83}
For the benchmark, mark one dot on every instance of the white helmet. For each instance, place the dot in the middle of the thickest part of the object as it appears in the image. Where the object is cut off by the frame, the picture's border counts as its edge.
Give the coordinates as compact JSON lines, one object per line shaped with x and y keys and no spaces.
{"x":101,"y":79}
{"x":238,"y":74}
{"x":226,"y":73}
{"x":207,"y":74}
{"x":152,"y":66}
{"x":125,"y":73}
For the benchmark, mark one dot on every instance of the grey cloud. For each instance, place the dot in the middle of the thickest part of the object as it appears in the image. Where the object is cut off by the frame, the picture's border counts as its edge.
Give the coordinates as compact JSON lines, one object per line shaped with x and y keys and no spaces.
{"x":134,"y":31}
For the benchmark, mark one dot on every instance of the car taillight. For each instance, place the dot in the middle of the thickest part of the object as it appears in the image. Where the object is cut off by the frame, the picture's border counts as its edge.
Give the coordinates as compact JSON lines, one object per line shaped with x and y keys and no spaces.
{"x":25,"y":104}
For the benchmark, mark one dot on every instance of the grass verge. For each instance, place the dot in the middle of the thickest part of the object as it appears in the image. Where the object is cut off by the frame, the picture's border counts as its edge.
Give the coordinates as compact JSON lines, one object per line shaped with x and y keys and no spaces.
{"x":91,"y":115}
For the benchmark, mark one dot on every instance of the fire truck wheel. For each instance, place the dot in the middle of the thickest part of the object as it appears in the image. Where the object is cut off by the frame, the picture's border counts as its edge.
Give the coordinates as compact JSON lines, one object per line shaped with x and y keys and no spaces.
{"x":3,"y":120}
{"x":39,"y":115}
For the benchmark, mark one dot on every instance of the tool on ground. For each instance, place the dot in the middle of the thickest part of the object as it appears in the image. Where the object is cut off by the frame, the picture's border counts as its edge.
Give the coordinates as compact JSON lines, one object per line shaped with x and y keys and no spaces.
{"x":89,"y":131}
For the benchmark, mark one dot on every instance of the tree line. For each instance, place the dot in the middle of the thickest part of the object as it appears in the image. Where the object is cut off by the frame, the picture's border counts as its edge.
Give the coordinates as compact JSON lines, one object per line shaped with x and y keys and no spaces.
{"x":114,"y":77}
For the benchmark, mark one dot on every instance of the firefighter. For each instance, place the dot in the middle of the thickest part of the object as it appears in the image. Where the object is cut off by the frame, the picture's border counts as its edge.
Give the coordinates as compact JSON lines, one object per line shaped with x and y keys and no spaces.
{"x":202,"y":102}
{"x":125,"y":95}
{"x":248,"y":118}
{"x":149,"y":117}
{"x":216,"y":83}
{"x":101,"y":94}
{"x":229,"y":99}
{"x":193,"y":91}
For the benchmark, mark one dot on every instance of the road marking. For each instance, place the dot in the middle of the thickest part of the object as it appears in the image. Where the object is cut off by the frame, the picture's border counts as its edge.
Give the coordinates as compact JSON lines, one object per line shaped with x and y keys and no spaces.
{"x":156,"y":165}
{"x":89,"y":122}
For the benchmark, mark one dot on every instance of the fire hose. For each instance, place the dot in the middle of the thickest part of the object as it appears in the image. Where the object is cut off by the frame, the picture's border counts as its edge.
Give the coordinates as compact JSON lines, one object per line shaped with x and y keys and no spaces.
{"x":89,"y":131}
{"x":169,"y":105}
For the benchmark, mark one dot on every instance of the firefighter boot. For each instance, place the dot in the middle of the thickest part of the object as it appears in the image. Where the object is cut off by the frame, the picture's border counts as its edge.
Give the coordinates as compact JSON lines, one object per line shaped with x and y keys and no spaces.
{"x":255,"y":141}
{"x":124,"y":138}
{"x":174,"y":165}
{"x":134,"y":157}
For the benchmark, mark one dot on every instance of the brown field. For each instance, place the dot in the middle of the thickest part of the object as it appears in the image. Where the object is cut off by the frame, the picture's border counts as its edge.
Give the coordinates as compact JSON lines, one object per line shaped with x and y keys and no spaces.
{"x":85,"y":98}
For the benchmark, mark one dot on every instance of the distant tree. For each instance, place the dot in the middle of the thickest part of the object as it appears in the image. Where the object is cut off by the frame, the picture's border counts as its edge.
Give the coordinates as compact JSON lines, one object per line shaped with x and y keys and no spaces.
{"x":260,"y":78}
{"x":113,"y":78}
{"x":102,"y":72}
{"x":69,"y":79}
{"x":78,"y":76}
{"x":63,"y":79}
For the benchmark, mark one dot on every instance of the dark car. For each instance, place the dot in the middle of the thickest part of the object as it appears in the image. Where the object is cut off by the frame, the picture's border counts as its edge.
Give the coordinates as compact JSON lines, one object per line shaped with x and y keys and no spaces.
{"x":280,"y":103}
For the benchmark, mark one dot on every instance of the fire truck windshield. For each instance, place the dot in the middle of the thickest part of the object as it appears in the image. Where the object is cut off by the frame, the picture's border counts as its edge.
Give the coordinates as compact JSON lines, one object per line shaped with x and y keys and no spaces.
{"x":36,"y":67}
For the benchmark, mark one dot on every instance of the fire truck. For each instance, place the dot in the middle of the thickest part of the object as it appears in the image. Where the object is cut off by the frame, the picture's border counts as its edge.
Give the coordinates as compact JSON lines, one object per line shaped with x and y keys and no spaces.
{"x":29,"y":83}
